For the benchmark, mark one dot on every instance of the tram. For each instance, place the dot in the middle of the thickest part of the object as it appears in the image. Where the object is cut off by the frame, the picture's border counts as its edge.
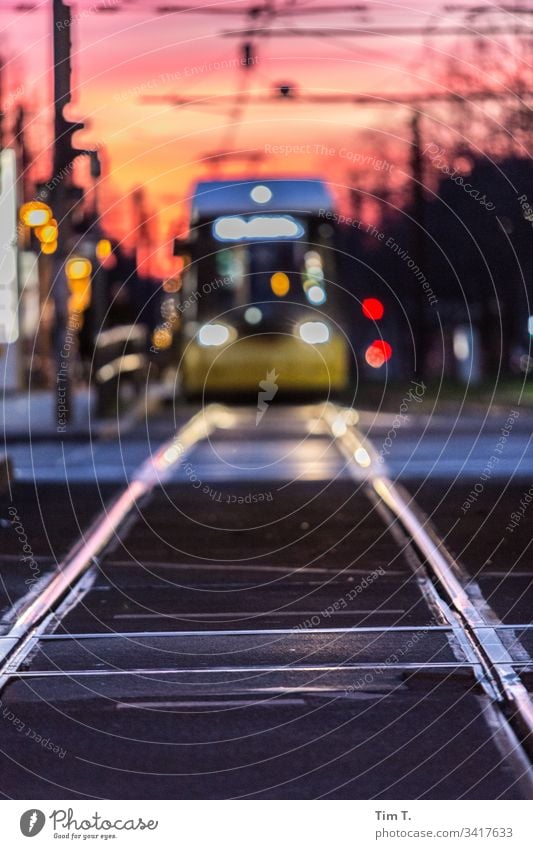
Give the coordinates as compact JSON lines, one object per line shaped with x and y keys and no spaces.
{"x":260,"y":301}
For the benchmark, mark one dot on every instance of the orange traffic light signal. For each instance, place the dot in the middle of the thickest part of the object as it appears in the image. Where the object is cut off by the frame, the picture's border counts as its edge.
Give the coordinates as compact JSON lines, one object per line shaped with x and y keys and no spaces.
{"x":104,"y":249}
{"x":78,"y":270}
{"x":47,"y":233}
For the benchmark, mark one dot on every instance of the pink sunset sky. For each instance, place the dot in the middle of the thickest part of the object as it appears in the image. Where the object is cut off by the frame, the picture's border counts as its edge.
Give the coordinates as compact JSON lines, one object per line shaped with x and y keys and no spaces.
{"x":123,"y":50}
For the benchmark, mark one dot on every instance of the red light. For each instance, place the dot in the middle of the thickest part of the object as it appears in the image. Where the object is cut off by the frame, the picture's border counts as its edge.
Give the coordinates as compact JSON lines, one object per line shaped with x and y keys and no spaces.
{"x":372,"y":308}
{"x":378,"y":353}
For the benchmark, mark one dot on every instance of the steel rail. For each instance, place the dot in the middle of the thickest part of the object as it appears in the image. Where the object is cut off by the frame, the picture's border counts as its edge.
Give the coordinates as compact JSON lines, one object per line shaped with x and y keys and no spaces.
{"x":215,"y":670}
{"x":91,"y":635}
{"x":155,"y":470}
{"x":352,"y":629}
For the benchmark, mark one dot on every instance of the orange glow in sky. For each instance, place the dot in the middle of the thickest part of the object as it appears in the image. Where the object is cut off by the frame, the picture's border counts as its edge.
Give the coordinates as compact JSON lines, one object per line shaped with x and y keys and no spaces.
{"x":124,"y":54}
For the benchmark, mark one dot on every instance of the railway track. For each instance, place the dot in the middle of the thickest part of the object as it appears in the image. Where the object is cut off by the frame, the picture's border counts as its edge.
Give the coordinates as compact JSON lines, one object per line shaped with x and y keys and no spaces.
{"x":262,"y":612}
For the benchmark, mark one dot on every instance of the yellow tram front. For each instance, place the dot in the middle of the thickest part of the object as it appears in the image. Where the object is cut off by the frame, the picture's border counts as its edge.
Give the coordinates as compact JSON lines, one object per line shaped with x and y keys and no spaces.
{"x":259,"y":302}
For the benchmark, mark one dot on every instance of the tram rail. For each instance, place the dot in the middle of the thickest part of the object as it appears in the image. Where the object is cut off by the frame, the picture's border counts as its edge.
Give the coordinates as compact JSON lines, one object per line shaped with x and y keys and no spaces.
{"x":461,"y":613}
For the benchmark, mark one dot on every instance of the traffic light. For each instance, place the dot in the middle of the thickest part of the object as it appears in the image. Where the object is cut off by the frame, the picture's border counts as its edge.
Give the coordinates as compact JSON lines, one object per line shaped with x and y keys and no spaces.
{"x":64,"y":151}
{"x":373,"y":309}
{"x":378,"y":353}
{"x":35,"y":213}
{"x":48,"y":233}
{"x":38,"y":216}
{"x":49,"y":247}
{"x":78,"y":270}
{"x":162,"y":337}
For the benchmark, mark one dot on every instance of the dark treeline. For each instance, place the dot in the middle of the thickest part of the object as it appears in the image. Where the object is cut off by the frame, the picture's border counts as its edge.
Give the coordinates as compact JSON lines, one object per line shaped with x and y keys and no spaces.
{"x":461,"y":256}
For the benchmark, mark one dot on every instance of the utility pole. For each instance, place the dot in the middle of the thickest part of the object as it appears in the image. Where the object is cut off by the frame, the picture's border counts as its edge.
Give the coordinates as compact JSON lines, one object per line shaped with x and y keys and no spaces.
{"x":143,"y":230}
{"x":19,"y":131}
{"x":63,"y":196}
{"x":1,"y":116}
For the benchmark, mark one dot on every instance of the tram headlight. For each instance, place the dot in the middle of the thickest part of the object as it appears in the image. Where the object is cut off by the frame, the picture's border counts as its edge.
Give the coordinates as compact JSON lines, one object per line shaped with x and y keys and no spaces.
{"x":314,"y":332}
{"x":212,"y":335}
{"x":316,"y":295}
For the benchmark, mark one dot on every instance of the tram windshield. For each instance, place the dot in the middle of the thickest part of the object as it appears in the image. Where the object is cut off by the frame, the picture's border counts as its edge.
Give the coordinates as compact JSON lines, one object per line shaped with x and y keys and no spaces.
{"x":245,"y":265}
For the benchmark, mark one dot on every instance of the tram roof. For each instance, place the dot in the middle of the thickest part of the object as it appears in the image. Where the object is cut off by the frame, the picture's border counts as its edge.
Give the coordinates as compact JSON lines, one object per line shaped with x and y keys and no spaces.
{"x":218,"y":197}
